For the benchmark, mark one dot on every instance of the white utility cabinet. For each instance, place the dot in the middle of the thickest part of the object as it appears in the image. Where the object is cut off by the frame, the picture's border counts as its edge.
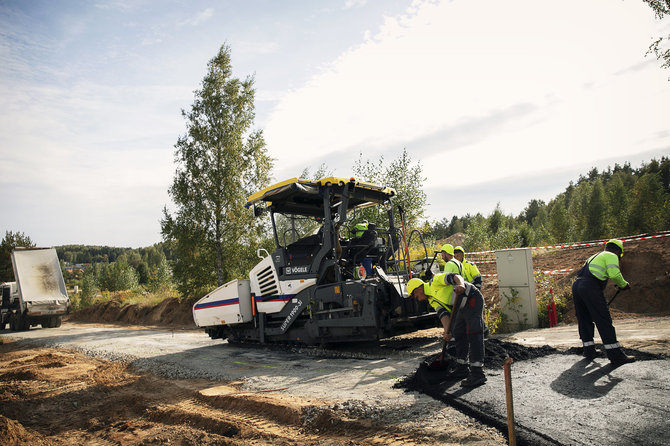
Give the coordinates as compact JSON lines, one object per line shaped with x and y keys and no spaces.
{"x":515,"y":276}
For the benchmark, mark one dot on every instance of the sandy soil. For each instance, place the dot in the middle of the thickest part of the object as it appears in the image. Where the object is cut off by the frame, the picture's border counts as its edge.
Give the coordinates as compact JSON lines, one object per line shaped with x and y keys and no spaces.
{"x":60,"y":396}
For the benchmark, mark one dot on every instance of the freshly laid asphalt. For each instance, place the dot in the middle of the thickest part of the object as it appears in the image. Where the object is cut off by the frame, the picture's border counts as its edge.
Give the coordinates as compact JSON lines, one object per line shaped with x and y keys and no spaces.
{"x":565,"y":399}
{"x":568,"y":400}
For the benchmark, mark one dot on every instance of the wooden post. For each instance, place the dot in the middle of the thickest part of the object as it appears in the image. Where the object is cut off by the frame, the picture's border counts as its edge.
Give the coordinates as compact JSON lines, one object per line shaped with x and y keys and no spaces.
{"x":510,"y":402}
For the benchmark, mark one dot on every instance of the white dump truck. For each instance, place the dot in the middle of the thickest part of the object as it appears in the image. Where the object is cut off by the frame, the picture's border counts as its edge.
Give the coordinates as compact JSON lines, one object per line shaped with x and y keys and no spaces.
{"x":38,"y":296}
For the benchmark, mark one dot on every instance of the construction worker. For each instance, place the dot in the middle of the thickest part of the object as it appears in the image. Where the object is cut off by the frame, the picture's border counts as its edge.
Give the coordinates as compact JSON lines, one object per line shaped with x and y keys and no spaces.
{"x":360,"y":228}
{"x":590,"y":304}
{"x":470,"y":271}
{"x":447,"y":262}
{"x":464,"y":320}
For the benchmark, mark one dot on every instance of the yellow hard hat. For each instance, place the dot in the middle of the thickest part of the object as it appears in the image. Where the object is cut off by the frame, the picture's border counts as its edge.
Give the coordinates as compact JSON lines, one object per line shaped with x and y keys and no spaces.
{"x":413,"y":284}
{"x":459,"y":248}
{"x":618,"y":243}
{"x":449,"y":249}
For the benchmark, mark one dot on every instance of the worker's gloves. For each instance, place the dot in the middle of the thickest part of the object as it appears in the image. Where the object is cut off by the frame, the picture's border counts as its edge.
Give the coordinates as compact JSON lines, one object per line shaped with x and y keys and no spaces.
{"x":627,"y":287}
{"x":426,"y":274}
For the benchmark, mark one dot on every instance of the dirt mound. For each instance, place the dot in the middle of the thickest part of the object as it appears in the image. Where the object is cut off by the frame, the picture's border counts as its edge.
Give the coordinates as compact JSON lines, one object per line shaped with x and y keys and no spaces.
{"x":454,"y":240}
{"x":169,"y":313}
{"x":13,"y":433}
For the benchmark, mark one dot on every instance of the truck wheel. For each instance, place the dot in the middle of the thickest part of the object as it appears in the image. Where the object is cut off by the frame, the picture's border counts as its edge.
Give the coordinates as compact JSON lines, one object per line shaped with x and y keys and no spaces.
{"x":18,"y":323}
{"x":24,"y":323}
{"x":3,"y":325}
{"x":58,"y":320}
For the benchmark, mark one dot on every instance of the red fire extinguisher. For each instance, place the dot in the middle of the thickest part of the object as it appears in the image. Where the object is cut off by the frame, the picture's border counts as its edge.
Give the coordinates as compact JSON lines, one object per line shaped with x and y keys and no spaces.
{"x":551,"y":310}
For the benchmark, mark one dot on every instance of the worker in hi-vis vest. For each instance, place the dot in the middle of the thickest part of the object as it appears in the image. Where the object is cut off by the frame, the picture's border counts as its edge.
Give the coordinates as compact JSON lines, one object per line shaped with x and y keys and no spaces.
{"x":590,"y":305}
{"x":447,"y":262}
{"x":460,"y":307}
{"x":470,"y":271}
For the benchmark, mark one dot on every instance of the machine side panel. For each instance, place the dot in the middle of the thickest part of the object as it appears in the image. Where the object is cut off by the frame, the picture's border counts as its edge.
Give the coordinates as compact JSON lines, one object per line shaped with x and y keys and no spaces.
{"x":228,"y":304}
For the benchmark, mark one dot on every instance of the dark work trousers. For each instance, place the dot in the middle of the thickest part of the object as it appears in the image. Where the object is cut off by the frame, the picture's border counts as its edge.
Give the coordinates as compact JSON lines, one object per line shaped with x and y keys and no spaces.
{"x":468,"y":329}
{"x":590,"y":307}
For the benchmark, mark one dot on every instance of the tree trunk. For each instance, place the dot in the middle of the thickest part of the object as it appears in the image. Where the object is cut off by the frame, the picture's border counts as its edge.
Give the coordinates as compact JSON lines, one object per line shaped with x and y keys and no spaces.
{"x":219,"y":254}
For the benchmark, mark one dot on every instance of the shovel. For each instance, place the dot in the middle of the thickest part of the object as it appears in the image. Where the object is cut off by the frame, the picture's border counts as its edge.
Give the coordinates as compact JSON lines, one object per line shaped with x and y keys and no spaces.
{"x":441,"y":362}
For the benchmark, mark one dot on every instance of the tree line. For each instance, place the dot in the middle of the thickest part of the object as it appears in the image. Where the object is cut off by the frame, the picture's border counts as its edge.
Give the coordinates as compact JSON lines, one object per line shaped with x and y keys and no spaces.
{"x":99,"y":268}
{"x":616,"y":202}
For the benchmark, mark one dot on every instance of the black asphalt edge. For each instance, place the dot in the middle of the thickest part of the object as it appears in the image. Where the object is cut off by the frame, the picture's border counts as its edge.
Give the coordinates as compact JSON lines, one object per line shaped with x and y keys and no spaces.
{"x":525,"y":436}
{"x":421,"y":382}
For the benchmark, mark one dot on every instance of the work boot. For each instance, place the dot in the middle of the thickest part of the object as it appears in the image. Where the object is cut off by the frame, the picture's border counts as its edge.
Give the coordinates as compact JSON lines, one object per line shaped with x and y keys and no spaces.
{"x":461,"y":371}
{"x":617,"y":357}
{"x":475,"y":379}
{"x":590,"y":352}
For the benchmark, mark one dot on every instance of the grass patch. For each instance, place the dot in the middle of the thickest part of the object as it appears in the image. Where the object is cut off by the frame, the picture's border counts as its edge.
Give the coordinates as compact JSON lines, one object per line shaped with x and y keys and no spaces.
{"x":136,"y":296}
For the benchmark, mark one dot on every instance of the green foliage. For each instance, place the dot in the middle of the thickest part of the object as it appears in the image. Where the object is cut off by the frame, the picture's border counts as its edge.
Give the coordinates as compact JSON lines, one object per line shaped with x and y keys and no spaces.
{"x":220,"y":162}
{"x":401,"y":174}
{"x":84,"y":254}
{"x":647,"y":200}
{"x":616,"y":202}
{"x":118,"y":276}
{"x":493,"y":319}
{"x":89,"y":287}
{"x":159,"y":276}
{"x":660,"y":46}
{"x":512,"y":306}
{"x":595,"y":212}
{"x":9,"y":243}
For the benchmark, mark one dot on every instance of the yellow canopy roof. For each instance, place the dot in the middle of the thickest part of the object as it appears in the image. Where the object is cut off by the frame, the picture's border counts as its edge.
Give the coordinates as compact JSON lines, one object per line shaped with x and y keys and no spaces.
{"x":300,"y":196}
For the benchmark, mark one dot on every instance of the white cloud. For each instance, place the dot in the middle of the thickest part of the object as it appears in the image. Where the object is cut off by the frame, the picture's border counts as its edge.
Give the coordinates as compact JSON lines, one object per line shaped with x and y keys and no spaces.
{"x":348,"y":4}
{"x":199,"y":18}
{"x":445,"y":65}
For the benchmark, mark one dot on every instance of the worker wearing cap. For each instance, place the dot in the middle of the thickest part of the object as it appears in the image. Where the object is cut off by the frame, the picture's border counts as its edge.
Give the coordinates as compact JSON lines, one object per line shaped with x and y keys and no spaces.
{"x":466,"y":323}
{"x":590,"y":304}
{"x":448,"y":263}
{"x":470,"y":271}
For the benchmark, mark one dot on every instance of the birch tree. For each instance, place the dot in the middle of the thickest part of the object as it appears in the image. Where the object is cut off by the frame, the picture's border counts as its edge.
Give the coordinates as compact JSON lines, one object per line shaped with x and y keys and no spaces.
{"x":220,"y":162}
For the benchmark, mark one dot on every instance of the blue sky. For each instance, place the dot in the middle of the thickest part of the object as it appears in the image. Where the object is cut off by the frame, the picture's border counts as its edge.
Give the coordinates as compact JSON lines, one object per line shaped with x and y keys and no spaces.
{"x":501,"y":102}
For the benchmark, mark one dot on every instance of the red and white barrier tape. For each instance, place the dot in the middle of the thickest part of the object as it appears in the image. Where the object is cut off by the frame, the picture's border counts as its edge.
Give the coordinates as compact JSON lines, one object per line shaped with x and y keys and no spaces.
{"x":575,"y":245}
{"x":550,"y":272}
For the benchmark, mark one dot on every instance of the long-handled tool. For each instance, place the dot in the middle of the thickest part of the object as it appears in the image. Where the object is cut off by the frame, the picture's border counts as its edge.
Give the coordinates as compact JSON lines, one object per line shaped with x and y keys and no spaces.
{"x":428,"y":274}
{"x":441,"y":362}
{"x":404,"y":237}
{"x":618,"y":290}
